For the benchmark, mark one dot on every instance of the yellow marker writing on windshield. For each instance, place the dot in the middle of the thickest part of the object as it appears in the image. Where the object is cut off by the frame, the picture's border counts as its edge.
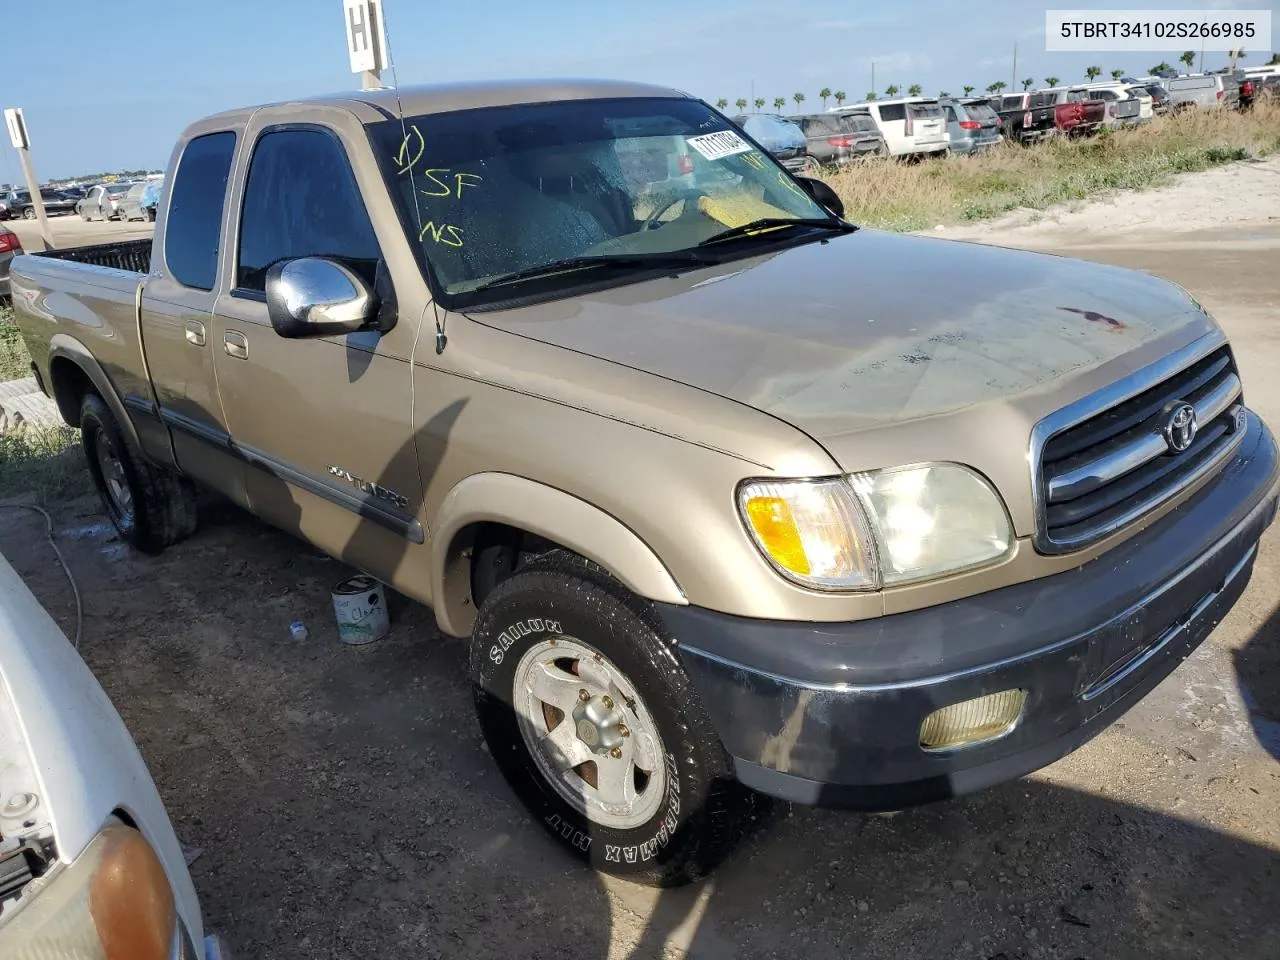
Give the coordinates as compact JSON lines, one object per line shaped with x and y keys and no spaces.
{"x":754,"y":159}
{"x":402,"y":157}
{"x":446,"y":233}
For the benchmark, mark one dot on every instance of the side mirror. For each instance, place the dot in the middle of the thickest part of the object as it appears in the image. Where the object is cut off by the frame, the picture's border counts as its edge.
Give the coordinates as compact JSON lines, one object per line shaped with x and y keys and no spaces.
{"x":821,"y":191}
{"x":315,"y":297}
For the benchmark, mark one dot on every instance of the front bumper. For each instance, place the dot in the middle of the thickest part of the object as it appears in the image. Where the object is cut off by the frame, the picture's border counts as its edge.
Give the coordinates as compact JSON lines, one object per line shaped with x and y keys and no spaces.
{"x":830,"y":714}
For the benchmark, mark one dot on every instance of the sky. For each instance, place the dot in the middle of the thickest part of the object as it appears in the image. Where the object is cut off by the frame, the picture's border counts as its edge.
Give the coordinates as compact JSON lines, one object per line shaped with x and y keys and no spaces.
{"x":117,"y":96}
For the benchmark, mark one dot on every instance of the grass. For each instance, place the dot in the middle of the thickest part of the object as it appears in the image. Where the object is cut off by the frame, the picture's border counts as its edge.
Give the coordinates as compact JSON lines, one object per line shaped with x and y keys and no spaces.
{"x":14,"y":362}
{"x":42,"y":460}
{"x":900,"y":196}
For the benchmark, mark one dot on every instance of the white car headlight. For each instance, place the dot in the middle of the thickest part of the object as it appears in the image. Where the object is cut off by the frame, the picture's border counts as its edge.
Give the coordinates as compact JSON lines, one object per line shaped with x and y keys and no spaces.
{"x":879,"y":528}
{"x":933,"y":519}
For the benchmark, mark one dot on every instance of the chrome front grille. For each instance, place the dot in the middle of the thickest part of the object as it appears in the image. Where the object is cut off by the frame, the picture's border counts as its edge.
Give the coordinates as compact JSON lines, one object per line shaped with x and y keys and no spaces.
{"x":1118,"y":455}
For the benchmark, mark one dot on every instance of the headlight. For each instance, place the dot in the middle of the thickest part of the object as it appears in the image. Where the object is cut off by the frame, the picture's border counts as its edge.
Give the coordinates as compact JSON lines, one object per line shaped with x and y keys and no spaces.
{"x":812,"y":531}
{"x":112,"y":903}
{"x":878,"y":528}
{"x":933,"y":519}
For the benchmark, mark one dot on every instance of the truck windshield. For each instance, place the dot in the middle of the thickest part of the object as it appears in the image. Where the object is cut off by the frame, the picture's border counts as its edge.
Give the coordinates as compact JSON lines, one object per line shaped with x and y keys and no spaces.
{"x":494,"y":191}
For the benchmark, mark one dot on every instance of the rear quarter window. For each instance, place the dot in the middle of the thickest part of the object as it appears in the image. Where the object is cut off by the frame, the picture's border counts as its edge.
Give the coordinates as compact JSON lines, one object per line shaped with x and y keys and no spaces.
{"x":194,"y":222}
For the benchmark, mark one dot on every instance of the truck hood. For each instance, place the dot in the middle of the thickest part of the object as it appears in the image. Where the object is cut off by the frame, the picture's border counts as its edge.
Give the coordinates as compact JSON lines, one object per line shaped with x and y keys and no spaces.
{"x":870,"y":328}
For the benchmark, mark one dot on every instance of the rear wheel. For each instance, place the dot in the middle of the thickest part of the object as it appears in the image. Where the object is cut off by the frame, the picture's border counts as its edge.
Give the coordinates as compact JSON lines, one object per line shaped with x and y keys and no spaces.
{"x":593,"y":722}
{"x":150,"y":507}
{"x":29,"y":213}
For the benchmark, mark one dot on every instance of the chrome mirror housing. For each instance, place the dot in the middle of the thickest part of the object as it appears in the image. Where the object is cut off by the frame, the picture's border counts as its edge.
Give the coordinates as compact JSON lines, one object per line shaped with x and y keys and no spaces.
{"x":315,"y":297}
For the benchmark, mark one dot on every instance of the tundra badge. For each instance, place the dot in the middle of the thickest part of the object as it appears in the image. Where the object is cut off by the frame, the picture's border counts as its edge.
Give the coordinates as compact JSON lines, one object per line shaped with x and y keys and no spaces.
{"x":368,"y":486}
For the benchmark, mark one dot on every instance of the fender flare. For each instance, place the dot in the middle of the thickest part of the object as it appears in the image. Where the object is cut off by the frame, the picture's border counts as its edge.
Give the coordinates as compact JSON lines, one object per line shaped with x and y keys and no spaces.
{"x":66,"y":347}
{"x":547,"y":512}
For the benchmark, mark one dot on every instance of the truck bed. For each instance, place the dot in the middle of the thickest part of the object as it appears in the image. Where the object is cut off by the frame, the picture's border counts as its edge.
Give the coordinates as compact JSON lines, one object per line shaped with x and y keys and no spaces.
{"x":132,"y":255}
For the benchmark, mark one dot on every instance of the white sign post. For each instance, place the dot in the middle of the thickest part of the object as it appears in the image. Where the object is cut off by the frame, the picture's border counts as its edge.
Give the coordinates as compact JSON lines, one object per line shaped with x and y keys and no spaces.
{"x":366,"y":40}
{"x":17,"y":125}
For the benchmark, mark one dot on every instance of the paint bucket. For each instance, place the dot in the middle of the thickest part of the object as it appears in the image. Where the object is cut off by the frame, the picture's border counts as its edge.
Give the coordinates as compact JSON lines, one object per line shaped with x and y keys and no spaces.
{"x":361,"y":610}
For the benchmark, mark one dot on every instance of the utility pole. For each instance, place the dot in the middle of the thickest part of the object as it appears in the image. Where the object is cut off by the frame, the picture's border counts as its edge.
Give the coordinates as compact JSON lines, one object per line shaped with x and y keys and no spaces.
{"x":366,"y":41}
{"x":1013,"y":80}
{"x":17,"y":125}
{"x":1202,"y":54}
{"x":873,"y":76}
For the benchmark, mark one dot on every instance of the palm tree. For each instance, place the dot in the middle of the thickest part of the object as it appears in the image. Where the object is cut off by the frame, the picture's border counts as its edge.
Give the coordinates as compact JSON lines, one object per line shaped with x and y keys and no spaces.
{"x":1050,"y":81}
{"x":1117,"y":74}
{"x":915,"y":90}
{"x":891,"y":90}
{"x":968,"y":90}
{"x":824,"y":94}
{"x":759,"y":104}
{"x":740,"y":103}
{"x":871,"y":95}
{"x":799,"y":99}
{"x":722,"y":103}
{"x":1027,"y":82}
{"x":1092,"y":72}
{"x":1161,"y":67}
{"x":1188,"y":57}
{"x":996,"y":87}
{"x":841,"y":97}
{"x":779,"y":102}
{"x":942,"y":94}
{"x":1234,"y":55}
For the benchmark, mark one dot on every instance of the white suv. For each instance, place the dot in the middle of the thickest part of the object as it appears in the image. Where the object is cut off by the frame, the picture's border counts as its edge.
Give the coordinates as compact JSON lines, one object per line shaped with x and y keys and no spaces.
{"x":910,"y":125}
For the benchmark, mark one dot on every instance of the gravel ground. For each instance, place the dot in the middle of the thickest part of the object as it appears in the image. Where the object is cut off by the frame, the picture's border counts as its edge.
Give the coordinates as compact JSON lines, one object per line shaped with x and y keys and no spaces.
{"x":344,"y":806}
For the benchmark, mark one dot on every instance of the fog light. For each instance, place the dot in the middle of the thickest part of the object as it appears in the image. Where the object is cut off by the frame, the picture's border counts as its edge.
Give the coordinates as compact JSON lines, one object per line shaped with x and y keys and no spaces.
{"x":972,"y":722}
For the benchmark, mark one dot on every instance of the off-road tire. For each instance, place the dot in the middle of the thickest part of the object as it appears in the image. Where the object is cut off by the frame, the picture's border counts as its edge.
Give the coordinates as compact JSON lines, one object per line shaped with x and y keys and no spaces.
{"x":163,"y":507}
{"x":705,"y":811}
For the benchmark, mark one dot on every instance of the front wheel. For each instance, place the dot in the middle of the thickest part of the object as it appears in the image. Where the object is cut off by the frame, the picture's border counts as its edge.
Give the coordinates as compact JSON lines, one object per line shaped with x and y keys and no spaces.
{"x":29,"y":213}
{"x":593,"y":722}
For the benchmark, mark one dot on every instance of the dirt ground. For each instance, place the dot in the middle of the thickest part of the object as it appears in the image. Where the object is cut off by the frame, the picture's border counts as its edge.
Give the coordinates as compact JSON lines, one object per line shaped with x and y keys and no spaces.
{"x":344,"y":806}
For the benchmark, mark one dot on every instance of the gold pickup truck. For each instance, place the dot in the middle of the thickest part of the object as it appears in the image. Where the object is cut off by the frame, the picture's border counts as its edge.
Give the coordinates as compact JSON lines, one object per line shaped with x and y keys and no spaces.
{"x":732,"y":497}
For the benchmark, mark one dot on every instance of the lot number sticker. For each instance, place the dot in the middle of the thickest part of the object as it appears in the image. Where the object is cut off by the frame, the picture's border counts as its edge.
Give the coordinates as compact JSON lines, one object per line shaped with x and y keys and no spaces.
{"x":723,"y":143}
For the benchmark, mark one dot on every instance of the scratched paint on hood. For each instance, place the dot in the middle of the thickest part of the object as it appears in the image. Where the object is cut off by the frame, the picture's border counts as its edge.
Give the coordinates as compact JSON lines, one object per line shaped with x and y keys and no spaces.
{"x":869,"y":328}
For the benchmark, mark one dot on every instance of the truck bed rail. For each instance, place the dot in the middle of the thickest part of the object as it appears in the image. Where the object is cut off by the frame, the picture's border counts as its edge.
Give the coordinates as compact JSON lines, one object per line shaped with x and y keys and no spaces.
{"x":132,"y":255}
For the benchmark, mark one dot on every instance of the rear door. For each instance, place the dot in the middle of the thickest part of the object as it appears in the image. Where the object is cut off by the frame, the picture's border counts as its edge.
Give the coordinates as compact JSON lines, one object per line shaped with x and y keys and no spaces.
{"x":325,"y":423}
{"x":177,"y":308}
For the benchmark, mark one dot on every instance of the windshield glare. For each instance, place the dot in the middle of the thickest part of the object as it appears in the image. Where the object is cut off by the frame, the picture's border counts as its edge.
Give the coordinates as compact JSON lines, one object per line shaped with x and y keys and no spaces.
{"x":491,"y":191}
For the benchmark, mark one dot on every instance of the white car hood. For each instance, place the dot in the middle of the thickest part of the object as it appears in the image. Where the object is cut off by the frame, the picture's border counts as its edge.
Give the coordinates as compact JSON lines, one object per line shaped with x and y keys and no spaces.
{"x":61,"y":739}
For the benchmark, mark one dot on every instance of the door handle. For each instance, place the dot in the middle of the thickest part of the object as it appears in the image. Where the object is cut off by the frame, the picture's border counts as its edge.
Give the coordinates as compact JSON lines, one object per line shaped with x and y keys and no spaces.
{"x":235,"y":344}
{"x":195,"y":332}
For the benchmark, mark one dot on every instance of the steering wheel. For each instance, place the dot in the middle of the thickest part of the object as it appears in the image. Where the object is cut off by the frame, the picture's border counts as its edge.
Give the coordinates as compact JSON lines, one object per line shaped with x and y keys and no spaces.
{"x":651,"y":221}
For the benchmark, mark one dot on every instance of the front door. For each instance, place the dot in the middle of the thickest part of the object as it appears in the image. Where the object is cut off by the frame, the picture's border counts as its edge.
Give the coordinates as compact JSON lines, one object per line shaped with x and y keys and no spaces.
{"x":325,"y":424}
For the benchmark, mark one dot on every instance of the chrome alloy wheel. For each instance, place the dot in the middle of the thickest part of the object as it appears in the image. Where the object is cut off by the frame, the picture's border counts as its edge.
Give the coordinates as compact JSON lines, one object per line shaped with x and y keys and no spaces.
{"x":590,"y":735}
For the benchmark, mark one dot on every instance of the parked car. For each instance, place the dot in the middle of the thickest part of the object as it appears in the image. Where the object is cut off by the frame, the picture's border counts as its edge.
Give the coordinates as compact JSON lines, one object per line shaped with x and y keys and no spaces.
{"x":971,"y":124}
{"x":19,"y":203}
{"x":139,"y":201}
{"x":910,"y":126}
{"x":1026,"y":117}
{"x":102,"y":201}
{"x":706,"y":527}
{"x":835,"y":140}
{"x":151,"y":198}
{"x":1207,"y":91}
{"x":1123,"y":108}
{"x":10,"y":247}
{"x":782,"y":138}
{"x":89,"y":863}
{"x":1159,"y":96}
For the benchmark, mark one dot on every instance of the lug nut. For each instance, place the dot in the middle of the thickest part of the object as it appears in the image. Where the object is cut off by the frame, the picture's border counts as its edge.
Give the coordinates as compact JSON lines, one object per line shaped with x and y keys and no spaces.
{"x":624,"y":730}
{"x":616,"y":753}
{"x":608,"y":703}
{"x":584,"y":696}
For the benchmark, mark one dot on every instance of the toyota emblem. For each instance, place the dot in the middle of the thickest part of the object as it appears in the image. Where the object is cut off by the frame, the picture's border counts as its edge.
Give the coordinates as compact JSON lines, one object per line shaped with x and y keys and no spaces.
{"x":1180,"y":428}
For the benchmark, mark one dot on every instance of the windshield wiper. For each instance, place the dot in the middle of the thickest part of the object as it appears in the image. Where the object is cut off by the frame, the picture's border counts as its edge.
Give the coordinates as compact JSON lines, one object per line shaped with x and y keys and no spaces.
{"x":773,"y":223}
{"x":673,"y":259}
